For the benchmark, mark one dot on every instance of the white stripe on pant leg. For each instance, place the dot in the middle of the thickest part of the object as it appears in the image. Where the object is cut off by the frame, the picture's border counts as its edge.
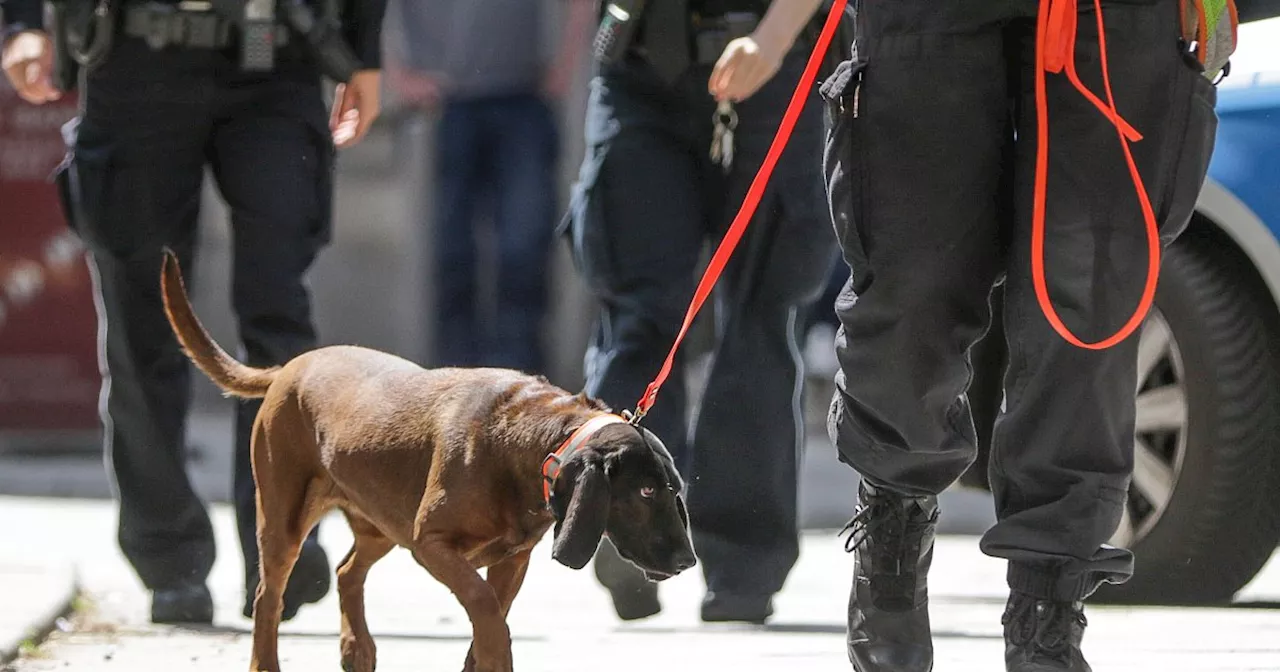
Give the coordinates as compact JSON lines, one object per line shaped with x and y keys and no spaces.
{"x":797,"y":392}
{"x":104,"y":393}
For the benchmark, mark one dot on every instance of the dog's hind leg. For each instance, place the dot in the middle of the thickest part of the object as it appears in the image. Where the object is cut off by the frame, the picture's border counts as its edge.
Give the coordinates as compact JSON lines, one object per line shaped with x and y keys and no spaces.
{"x":358,"y":651}
{"x":289,"y":505}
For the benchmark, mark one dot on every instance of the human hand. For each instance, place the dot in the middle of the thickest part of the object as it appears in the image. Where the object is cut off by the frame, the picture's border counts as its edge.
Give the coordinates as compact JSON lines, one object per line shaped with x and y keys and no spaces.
{"x":420,"y":89}
{"x":744,"y":66}
{"x":27,"y":60}
{"x":356,"y":105}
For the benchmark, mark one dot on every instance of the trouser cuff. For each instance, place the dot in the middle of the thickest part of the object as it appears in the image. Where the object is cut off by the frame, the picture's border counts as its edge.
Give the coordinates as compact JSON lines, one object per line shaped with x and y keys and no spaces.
{"x":1050,"y":582}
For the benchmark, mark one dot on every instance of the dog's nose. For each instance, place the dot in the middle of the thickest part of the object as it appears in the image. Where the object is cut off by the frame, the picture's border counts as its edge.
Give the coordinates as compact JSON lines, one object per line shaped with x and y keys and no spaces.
{"x":684,"y":560}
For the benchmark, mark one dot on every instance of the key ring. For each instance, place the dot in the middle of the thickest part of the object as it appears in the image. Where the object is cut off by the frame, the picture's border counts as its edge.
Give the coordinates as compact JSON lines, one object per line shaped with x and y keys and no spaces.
{"x":725,"y":116}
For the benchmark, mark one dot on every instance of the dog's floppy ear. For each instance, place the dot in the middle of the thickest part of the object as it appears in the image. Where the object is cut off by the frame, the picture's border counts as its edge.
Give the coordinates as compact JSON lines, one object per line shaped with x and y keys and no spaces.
{"x":578,"y":533}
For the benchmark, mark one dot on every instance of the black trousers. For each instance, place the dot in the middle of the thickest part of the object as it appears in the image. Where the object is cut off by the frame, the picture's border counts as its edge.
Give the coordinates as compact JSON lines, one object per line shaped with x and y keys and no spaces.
{"x":149,"y":125}
{"x":929,"y":163}
{"x":647,"y":201}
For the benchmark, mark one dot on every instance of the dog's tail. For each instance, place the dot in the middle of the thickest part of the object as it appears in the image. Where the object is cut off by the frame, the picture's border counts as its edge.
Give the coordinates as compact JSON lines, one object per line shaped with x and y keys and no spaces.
{"x":234,"y":378}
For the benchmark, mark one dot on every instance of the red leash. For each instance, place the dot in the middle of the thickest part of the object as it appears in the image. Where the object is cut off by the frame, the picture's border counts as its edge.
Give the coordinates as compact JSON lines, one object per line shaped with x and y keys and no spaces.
{"x":1055,"y":52}
{"x":749,"y":205}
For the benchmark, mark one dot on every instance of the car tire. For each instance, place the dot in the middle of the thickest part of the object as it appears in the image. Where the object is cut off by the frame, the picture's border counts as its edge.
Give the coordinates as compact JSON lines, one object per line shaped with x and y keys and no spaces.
{"x":1219,"y":526}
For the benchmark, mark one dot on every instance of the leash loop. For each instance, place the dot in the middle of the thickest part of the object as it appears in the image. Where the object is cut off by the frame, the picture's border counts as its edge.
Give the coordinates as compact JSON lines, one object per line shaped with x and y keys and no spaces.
{"x":1055,"y":52}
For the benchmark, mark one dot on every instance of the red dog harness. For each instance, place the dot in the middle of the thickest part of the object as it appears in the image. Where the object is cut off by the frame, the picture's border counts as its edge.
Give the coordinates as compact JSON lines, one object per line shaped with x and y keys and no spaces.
{"x":551,"y":465}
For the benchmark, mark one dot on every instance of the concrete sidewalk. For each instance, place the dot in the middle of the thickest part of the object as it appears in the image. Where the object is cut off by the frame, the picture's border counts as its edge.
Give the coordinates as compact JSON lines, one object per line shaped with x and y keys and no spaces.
{"x":36,"y":589}
{"x":562,"y":621}
{"x":36,"y":597}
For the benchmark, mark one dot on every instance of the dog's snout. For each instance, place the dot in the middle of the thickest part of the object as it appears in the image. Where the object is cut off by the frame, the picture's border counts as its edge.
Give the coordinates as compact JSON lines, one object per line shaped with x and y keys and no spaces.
{"x":684,"y":559}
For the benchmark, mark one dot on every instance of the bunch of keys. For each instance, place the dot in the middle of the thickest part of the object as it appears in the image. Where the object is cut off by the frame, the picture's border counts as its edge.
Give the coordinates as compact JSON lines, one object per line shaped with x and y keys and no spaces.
{"x":725,"y":120}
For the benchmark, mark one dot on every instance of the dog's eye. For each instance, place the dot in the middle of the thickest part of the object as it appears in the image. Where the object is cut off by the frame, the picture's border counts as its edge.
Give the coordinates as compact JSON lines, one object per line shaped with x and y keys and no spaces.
{"x":646,"y":492}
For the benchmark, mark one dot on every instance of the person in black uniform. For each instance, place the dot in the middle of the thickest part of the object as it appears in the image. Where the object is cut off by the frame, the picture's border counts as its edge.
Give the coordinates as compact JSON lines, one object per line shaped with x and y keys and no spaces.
{"x":168,"y":99}
{"x":654,"y":188}
{"x":931,"y":166}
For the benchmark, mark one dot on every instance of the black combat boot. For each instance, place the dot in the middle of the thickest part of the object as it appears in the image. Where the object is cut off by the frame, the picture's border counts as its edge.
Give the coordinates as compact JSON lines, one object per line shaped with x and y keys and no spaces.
{"x":892,"y":541}
{"x":1043,"y":635}
{"x":308,"y":582}
{"x":187,"y":604}
{"x":634,"y":597}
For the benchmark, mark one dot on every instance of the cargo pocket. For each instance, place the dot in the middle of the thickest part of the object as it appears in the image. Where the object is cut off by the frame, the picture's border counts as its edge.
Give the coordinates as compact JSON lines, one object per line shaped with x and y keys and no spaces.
{"x":842,"y":161}
{"x":326,"y":156}
{"x":1193,"y":152}
{"x":64,"y":183}
{"x":584,"y":223}
{"x":81,"y":182}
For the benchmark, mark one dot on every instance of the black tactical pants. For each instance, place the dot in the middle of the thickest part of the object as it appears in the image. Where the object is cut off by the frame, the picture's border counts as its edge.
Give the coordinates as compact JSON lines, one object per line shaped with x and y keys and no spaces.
{"x":930,"y":162}
{"x":647,"y":201}
{"x":150,"y":123}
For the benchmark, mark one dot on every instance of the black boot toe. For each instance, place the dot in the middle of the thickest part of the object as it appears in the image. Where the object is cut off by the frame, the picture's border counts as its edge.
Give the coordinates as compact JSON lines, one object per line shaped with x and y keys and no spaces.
{"x":634,"y":597}
{"x":1043,"y":635}
{"x":189,"y":604}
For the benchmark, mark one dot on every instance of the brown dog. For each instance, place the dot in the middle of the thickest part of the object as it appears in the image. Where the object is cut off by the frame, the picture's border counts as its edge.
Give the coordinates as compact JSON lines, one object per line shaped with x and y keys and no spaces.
{"x":466,"y":468}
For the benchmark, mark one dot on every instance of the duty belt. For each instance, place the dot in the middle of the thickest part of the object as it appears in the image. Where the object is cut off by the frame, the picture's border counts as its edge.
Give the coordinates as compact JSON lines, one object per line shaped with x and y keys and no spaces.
{"x":187,"y":24}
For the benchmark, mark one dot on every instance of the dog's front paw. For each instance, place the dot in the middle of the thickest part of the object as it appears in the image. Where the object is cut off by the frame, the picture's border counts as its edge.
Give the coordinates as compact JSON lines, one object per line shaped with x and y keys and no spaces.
{"x":501,"y":664}
{"x":358,"y":656}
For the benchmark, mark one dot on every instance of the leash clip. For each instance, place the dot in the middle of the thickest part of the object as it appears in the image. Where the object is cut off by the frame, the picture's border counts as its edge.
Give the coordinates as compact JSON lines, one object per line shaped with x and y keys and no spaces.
{"x":634,"y":418}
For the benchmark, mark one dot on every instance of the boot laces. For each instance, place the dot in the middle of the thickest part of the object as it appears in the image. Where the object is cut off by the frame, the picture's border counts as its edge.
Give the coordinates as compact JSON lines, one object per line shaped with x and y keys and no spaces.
{"x":889,"y":521}
{"x":1045,"y":626}
{"x":867,"y":520}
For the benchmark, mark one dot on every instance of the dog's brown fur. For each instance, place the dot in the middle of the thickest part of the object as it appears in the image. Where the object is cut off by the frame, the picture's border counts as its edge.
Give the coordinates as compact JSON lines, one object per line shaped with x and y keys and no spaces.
{"x":446,"y":463}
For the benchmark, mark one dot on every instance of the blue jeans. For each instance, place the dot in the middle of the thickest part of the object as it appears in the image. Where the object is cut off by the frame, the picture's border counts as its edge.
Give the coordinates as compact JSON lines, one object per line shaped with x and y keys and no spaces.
{"x":499,"y":151}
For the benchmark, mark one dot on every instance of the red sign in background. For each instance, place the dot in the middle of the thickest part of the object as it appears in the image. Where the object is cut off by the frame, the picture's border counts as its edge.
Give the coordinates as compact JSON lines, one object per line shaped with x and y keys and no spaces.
{"x":49,"y":378}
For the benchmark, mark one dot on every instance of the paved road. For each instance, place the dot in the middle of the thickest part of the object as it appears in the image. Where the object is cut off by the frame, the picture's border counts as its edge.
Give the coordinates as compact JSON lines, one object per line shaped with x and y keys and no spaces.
{"x":562,"y":623}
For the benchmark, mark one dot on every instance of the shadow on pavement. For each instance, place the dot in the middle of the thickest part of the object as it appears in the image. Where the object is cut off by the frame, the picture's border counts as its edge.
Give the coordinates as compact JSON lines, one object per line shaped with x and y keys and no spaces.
{"x":311,"y":634}
{"x":785,"y":629}
{"x":1257,"y":604}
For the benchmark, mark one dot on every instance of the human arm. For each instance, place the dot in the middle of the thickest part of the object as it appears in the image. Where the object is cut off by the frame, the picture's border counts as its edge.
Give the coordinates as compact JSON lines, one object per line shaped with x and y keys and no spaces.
{"x":748,"y":62}
{"x":411,"y":39}
{"x":362,"y":28}
{"x":572,"y":41}
{"x":357,"y":103}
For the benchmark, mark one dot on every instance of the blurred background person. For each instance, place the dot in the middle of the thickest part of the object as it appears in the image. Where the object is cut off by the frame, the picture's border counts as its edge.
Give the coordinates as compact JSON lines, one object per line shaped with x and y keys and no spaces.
{"x":662,"y":179}
{"x":495,"y":71}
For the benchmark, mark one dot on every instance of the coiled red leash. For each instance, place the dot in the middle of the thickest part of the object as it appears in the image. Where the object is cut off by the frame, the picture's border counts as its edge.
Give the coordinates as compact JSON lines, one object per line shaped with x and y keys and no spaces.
{"x":1055,"y":52}
{"x":754,"y":194}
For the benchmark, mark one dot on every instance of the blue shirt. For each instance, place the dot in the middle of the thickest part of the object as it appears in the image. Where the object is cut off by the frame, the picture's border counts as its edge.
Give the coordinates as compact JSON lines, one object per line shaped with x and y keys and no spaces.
{"x":480,"y":48}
